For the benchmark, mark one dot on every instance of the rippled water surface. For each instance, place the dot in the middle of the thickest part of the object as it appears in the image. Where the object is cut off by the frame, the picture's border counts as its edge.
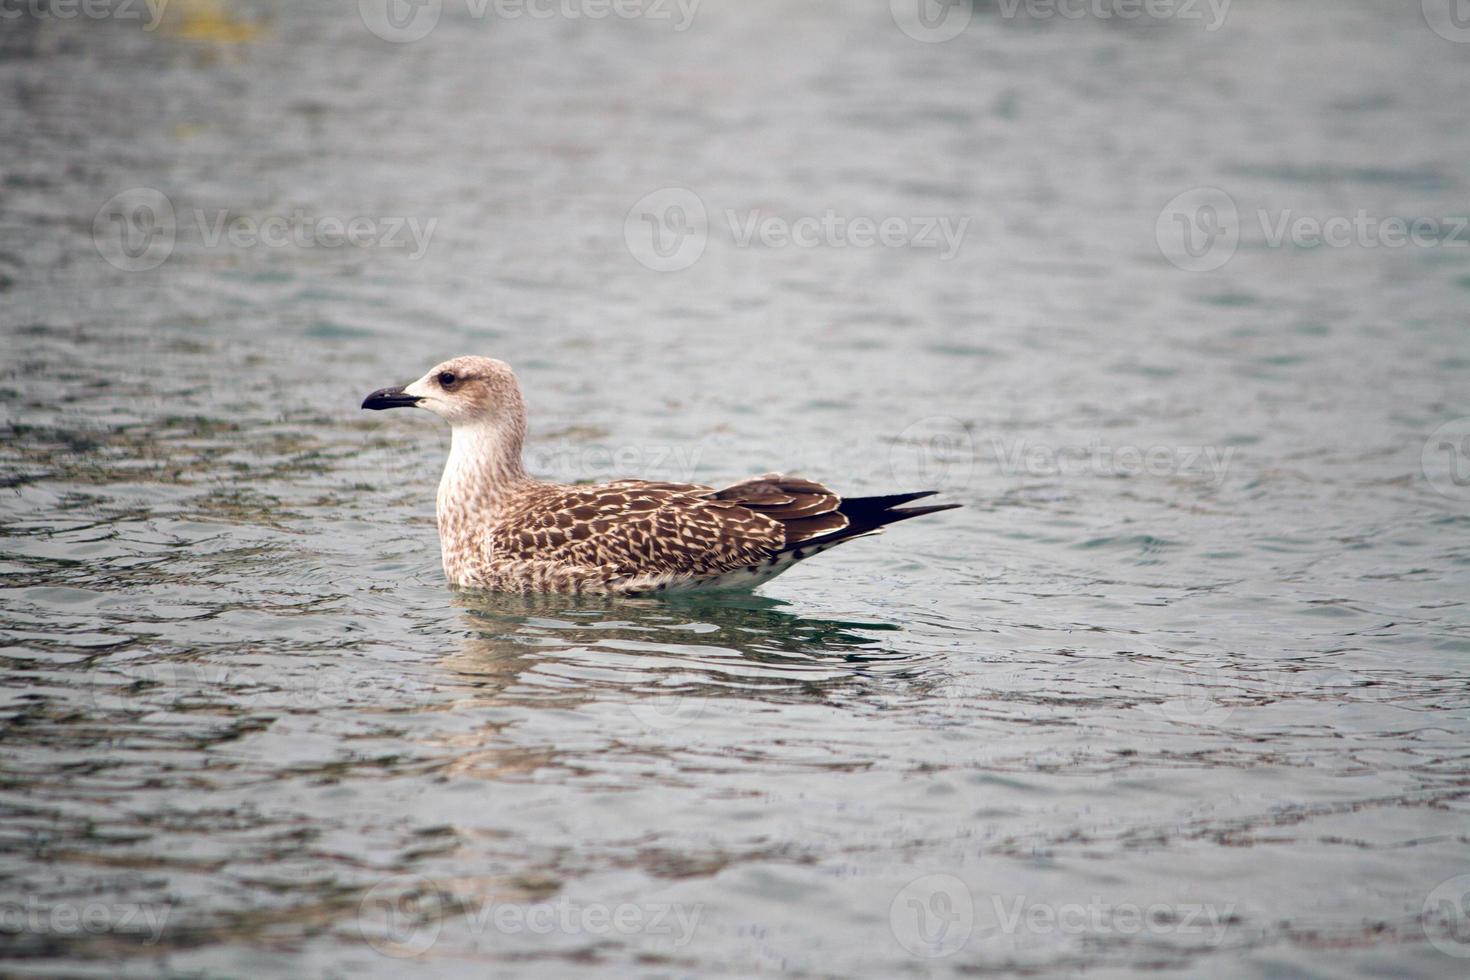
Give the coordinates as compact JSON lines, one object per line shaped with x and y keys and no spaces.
{"x":1182,"y":689}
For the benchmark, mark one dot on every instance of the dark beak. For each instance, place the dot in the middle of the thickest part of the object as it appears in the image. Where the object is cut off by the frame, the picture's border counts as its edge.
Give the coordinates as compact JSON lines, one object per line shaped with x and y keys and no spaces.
{"x":389,"y":398}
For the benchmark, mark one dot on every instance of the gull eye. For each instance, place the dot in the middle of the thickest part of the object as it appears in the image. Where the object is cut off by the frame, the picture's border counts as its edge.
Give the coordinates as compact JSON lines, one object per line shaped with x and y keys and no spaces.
{"x":446,"y":379}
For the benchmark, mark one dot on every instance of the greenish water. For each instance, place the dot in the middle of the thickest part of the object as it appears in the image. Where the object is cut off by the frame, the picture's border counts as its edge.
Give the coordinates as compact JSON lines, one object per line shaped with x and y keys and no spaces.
{"x":1181,"y":689}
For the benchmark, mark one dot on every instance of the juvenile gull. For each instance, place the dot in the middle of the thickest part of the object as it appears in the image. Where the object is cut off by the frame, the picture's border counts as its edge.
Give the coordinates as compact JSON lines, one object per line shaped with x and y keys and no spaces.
{"x":500,"y":529}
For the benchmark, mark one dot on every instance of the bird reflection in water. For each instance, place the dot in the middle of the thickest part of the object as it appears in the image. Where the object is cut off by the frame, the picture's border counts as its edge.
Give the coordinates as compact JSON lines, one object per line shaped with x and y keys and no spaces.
{"x":649,"y":673}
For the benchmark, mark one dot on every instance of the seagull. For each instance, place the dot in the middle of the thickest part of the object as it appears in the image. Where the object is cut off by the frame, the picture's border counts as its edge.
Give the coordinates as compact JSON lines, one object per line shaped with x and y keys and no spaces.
{"x":502,"y":530}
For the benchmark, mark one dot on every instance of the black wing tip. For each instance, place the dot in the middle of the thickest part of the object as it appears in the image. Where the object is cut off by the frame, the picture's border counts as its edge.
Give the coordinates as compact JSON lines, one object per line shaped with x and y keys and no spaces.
{"x":896,"y":514}
{"x":867,"y":515}
{"x":884,"y":502}
{"x":885,"y":510}
{"x":903,"y":513}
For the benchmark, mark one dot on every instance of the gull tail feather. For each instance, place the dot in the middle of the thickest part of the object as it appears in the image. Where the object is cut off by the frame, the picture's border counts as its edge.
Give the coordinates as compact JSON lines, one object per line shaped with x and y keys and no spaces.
{"x":869,"y":515}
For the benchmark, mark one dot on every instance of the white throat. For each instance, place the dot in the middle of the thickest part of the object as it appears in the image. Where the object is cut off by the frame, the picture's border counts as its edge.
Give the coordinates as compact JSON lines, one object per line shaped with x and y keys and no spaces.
{"x":484,"y":465}
{"x":482,"y":473}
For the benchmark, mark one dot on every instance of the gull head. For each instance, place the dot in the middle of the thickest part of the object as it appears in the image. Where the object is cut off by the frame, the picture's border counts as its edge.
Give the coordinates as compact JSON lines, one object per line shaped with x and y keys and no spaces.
{"x":465,"y":391}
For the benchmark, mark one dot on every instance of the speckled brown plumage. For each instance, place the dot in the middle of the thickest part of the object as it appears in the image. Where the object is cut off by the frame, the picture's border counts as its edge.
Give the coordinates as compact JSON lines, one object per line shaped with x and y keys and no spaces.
{"x":500,"y":529}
